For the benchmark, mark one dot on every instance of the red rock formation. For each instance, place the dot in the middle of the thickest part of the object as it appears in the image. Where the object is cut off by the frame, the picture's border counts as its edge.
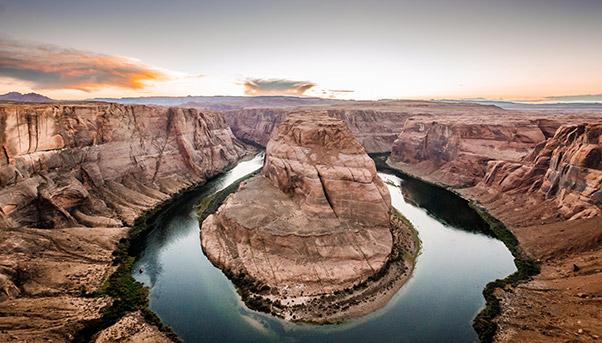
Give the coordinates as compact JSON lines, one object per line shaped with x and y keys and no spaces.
{"x":326,"y":170}
{"x":566,"y":168}
{"x":103,"y":161}
{"x":455,"y":151}
{"x":374,"y":129}
{"x":315,"y":221}
{"x":314,"y":228}
{"x":86,"y":171}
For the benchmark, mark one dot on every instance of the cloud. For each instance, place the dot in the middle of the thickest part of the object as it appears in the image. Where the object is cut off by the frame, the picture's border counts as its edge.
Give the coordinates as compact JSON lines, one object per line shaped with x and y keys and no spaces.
{"x":276,"y":87}
{"x":54,"y":67}
{"x":584,"y":97}
{"x":341,"y":90}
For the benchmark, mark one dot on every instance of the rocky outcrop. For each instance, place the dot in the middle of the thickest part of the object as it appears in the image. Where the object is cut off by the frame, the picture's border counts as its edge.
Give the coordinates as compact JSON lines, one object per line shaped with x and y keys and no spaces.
{"x":455,"y":151}
{"x":326,"y":171}
{"x":87,"y":171}
{"x":565,"y":172}
{"x":132,"y":328}
{"x":314,"y":223}
{"x":374,"y":129}
{"x":103,"y":163}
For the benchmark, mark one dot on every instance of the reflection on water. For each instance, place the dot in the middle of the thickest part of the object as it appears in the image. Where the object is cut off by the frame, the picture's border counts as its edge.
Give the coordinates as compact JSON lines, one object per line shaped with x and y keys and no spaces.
{"x":454,"y":211}
{"x":437,"y":304}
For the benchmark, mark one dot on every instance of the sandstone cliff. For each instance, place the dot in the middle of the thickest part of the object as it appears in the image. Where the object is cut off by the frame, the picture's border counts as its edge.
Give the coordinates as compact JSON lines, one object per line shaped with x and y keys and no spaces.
{"x":552,"y":201}
{"x":374,"y":129}
{"x":564,"y":174}
{"x":546,"y":187}
{"x":455,"y":151}
{"x":103,"y":164}
{"x":91,"y":169}
{"x":315,"y":222}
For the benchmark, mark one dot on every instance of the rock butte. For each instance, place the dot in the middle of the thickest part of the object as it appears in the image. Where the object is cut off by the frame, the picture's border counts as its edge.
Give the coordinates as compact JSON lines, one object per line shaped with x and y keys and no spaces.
{"x":317,"y":219}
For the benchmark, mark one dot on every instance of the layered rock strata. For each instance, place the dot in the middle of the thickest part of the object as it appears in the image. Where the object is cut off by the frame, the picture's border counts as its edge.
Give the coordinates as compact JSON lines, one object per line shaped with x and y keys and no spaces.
{"x":564,"y":173}
{"x":374,"y":129}
{"x":84,"y":172}
{"x":549,"y":198}
{"x":455,"y":151}
{"x":314,"y":224}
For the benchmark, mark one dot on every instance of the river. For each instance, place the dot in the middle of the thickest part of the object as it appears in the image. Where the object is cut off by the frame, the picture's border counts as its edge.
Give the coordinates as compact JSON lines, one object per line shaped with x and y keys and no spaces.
{"x":437,"y":304}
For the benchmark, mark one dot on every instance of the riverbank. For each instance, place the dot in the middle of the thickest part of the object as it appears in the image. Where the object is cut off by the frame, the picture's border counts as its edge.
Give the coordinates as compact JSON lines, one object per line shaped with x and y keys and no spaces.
{"x":129,"y":298}
{"x":484,"y":323}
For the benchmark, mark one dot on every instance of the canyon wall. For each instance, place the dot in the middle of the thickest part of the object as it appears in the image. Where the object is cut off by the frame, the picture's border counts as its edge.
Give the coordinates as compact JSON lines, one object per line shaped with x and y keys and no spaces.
{"x":564,"y":173}
{"x":374,"y":129}
{"x":103,"y":164}
{"x":73,"y":177}
{"x":552,"y":201}
{"x":541,"y":175}
{"x":455,"y":151}
{"x":510,"y":165}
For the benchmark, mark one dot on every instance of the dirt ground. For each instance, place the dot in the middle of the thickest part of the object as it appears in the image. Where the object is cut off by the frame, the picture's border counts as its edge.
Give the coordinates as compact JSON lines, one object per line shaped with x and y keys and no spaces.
{"x":564,"y":302}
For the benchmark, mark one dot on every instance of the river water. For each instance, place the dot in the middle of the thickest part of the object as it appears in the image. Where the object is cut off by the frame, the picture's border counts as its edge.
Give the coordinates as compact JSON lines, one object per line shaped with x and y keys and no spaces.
{"x":437,"y":304}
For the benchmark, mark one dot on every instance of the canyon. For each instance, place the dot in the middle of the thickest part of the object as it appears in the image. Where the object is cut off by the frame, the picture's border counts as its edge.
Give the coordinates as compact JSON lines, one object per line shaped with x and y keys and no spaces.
{"x":312,"y":237}
{"x":536,"y":170}
{"x":375,"y":124}
{"x":74,"y":179}
{"x":543,"y":180}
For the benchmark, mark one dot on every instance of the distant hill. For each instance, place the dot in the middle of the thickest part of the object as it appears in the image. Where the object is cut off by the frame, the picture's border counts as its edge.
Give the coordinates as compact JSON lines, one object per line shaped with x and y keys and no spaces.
{"x":20,"y":97}
{"x":516,"y":105}
{"x":225,"y":102}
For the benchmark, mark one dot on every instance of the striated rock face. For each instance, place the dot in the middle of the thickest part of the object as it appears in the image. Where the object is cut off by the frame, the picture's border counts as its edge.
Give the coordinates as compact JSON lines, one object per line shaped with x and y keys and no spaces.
{"x":565,"y":171}
{"x":326,"y":171}
{"x":255,"y":125}
{"x":552,"y":202}
{"x":315,"y":221}
{"x":103,"y":164}
{"x":455,"y":151}
{"x":86,"y":171}
{"x":547,"y":192}
{"x":374,"y":129}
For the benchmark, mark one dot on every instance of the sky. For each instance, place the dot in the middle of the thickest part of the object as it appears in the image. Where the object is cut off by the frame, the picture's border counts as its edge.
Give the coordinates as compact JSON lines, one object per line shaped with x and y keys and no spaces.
{"x":348,"y":49}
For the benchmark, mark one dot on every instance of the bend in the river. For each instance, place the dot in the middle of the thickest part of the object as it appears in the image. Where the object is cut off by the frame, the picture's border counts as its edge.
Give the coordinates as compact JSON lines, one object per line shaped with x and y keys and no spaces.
{"x":438,"y":303}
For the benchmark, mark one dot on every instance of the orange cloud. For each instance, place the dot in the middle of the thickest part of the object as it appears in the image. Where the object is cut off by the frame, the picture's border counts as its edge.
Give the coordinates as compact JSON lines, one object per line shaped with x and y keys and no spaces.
{"x":53,"y":67}
{"x":276,"y":87}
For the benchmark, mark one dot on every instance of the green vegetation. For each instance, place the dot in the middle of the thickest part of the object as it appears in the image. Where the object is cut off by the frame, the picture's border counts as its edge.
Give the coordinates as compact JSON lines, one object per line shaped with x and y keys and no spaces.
{"x":409,"y":255}
{"x":128,"y":294}
{"x":526,"y":269}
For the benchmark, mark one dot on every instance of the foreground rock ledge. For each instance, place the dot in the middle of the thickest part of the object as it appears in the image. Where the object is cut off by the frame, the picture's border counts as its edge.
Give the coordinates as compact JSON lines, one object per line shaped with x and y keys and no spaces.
{"x":311,"y":238}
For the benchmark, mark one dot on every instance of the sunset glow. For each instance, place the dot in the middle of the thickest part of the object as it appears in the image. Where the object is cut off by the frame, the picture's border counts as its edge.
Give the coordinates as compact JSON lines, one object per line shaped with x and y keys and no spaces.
{"x":522,"y":50}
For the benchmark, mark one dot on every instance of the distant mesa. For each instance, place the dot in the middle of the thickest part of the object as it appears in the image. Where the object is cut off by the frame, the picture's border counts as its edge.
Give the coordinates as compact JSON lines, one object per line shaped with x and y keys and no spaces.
{"x":29,"y":97}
